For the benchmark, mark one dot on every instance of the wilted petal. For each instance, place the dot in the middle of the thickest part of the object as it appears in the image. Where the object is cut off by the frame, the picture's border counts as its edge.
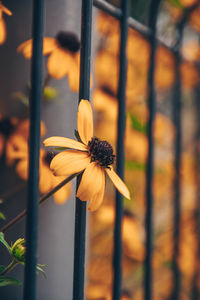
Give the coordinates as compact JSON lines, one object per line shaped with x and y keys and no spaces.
{"x":91,"y":185}
{"x":63,"y":142}
{"x":69,"y":162}
{"x":85,"y":121}
{"x":59,"y":63}
{"x":118,"y":183}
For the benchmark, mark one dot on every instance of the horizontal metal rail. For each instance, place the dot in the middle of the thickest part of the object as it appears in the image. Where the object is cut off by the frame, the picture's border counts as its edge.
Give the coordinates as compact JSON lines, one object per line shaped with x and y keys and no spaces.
{"x":134,"y":24}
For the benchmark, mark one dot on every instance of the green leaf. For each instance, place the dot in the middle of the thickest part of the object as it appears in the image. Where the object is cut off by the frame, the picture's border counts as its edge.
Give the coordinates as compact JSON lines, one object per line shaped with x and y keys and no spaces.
{"x":2,"y":268}
{"x":135,"y":165}
{"x":39,"y":268}
{"x":168,"y":264}
{"x":2,"y":216}
{"x":4,"y":280}
{"x":61,"y":148}
{"x":176,"y":3}
{"x":21,"y":97}
{"x":2,"y":240}
{"x":137,"y":125}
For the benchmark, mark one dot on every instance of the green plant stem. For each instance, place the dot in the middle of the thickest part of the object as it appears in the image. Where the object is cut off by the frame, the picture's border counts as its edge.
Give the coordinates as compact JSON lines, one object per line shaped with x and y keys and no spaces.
{"x":46,"y":80}
{"x":9,"y":267}
{"x":12,"y":192}
{"x":42,"y":200}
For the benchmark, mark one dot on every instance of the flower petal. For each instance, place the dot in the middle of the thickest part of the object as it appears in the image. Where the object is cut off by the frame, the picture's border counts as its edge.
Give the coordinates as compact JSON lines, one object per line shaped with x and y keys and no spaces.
{"x":45,"y":178}
{"x":49,"y":45}
{"x":73,"y":75}
{"x":69,"y":162}
{"x":22,"y":169}
{"x":2,"y":31}
{"x":16,"y":148}
{"x":118,"y":183}
{"x":5,"y":10}
{"x":85,"y":121}
{"x":26,"y":49}
{"x":59,"y":63}
{"x":92,"y":186}
{"x":97,"y":200}
{"x":62,"y":195}
{"x":58,"y":141}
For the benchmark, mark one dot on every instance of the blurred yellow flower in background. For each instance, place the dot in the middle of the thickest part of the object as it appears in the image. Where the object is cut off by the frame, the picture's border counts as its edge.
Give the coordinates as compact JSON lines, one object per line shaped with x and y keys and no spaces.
{"x":194,"y":19}
{"x":91,"y":155}
{"x":7,"y":126}
{"x":17,"y":151}
{"x":189,"y":75}
{"x":17,"y":143}
{"x":3,"y":32}
{"x":64,"y":56}
{"x":47,"y":180}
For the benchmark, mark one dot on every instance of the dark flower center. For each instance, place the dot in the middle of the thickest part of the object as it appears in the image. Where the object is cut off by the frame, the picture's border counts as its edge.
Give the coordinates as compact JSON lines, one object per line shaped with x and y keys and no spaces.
{"x":48,"y":157}
{"x":6,"y":126}
{"x":101,"y":151}
{"x":68,"y":41}
{"x":128,"y":213}
{"x":108,"y":91}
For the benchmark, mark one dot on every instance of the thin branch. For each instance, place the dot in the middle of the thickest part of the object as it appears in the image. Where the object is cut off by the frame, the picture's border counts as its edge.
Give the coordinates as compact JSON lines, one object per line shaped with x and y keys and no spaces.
{"x":42,"y":200}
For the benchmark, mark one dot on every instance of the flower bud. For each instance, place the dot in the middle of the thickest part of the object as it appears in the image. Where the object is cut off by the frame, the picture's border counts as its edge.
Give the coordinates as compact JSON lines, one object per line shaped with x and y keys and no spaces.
{"x":50,"y":93}
{"x":18,"y":250}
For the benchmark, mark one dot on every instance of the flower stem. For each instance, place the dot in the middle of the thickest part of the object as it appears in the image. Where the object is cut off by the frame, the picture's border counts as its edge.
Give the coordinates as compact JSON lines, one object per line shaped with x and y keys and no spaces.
{"x":42,"y":200}
{"x":9,"y":267}
{"x":46,"y":80}
{"x":12,"y":192}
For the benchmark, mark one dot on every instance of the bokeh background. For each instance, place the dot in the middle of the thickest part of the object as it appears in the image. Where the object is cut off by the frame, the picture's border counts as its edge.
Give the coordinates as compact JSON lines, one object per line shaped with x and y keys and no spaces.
{"x":56,"y":222}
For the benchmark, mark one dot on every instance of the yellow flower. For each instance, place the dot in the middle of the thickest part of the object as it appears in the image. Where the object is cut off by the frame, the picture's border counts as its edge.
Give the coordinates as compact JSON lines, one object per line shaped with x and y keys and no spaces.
{"x":7,"y":126}
{"x":17,"y":142}
{"x":17,"y":151}
{"x":64,"y":56}
{"x":91,"y":156}
{"x":47,"y":180}
{"x":3,"y":9}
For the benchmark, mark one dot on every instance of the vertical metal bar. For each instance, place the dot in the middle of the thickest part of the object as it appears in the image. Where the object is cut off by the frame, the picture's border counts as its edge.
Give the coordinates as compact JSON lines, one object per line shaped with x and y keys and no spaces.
{"x":121,"y":124}
{"x":177,"y":190}
{"x":150,"y":159}
{"x":84,"y":93}
{"x":195,"y":288}
{"x":34,"y":147}
{"x":177,"y":95}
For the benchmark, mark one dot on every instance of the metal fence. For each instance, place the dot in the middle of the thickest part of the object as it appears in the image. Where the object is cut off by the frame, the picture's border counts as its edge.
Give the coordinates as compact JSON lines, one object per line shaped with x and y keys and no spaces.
{"x":122,"y":14}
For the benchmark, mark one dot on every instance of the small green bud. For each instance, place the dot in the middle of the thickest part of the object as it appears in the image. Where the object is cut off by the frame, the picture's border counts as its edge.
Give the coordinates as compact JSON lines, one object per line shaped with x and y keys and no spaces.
{"x":49,"y":93}
{"x":18,"y":250}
